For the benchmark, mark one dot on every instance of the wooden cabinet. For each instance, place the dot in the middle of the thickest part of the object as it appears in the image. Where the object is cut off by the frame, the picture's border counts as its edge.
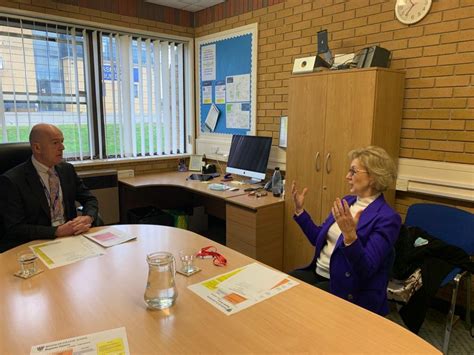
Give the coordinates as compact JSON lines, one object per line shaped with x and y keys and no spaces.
{"x":331,"y":113}
{"x":257,"y":233}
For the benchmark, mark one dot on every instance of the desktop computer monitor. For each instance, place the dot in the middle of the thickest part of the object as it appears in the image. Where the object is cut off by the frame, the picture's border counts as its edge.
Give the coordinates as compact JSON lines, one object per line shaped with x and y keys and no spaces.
{"x":248,"y":156}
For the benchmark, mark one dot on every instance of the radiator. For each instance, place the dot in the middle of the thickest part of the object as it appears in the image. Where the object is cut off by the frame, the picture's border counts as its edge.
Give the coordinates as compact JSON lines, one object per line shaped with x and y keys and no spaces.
{"x":103,"y":185}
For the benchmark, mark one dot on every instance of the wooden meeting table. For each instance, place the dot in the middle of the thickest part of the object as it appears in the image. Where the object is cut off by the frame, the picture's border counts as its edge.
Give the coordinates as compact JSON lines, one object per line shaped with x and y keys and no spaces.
{"x":106,"y":292}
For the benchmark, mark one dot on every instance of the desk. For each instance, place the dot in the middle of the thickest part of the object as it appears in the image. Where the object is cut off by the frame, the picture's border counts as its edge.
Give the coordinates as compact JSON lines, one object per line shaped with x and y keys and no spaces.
{"x":254,"y":226}
{"x":106,"y":292}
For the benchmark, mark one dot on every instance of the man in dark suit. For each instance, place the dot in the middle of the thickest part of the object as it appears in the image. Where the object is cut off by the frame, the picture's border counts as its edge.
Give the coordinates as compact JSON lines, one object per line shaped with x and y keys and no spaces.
{"x":38,"y":196}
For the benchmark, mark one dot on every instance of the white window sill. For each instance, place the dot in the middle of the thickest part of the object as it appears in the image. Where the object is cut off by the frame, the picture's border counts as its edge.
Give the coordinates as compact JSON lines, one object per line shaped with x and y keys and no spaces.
{"x":118,"y":161}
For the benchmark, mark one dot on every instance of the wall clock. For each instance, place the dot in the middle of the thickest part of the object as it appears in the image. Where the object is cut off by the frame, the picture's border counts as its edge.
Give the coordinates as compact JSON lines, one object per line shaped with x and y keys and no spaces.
{"x":412,"y":11}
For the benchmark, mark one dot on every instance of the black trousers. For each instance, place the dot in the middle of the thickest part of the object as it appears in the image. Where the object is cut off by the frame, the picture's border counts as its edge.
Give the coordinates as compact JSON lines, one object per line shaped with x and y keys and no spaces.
{"x":311,"y":277}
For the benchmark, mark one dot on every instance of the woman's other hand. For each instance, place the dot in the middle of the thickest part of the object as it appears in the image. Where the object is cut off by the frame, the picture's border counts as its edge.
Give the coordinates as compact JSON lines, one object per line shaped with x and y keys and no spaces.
{"x":348,"y":224}
{"x":298,"y":198}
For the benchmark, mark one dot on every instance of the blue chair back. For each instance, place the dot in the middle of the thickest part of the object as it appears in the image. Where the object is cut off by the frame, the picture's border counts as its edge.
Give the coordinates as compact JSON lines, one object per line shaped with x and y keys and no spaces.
{"x":449,"y":224}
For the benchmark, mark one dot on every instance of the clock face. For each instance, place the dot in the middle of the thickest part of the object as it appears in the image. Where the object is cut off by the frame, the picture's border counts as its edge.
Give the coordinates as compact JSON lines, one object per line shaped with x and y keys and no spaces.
{"x":411,"y":11}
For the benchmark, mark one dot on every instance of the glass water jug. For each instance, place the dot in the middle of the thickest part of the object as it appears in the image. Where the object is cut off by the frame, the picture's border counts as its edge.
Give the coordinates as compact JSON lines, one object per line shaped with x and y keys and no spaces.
{"x":161,"y":289}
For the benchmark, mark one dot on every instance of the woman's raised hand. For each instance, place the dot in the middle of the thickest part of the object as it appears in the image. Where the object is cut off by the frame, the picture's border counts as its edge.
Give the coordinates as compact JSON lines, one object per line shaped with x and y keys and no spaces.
{"x":298,"y":198}
{"x":347,"y":224}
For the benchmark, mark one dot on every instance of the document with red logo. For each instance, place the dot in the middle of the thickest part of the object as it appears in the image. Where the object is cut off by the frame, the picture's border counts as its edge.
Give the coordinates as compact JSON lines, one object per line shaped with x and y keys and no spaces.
{"x":243,"y":287}
{"x":109,"y":237}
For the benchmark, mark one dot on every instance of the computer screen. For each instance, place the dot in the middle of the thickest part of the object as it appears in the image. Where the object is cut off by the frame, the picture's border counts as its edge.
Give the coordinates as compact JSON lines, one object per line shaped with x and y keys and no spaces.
{"x":248,"y":156}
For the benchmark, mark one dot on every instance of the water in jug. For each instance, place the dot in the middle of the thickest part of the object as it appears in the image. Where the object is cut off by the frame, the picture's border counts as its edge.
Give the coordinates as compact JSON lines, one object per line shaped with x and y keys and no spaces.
{"x":161,"y":289}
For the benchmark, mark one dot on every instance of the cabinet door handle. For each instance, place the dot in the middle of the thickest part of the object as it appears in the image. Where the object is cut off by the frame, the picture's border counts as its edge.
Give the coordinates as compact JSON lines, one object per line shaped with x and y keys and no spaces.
{"x":318,"y":161}
{"x":327,"y":163}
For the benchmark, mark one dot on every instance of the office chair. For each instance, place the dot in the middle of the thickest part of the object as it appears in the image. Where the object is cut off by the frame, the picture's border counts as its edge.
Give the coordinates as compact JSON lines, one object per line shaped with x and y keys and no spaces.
{"x":455,"y":227}
{"x":12,"y":154}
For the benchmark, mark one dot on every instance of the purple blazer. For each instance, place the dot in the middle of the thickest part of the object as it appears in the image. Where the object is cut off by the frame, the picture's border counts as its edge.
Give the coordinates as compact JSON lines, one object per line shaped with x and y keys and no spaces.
{"x":359,"y":272}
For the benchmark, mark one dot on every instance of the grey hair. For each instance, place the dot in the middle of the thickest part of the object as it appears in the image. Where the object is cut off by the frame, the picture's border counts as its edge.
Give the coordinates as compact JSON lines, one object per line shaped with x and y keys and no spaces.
{"x":379,"y":165}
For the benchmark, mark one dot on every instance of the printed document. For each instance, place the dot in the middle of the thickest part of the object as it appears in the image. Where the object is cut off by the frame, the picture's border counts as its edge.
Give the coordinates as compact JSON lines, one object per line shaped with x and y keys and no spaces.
{"x":208,"y":62}
{"x":237,"y":88}
{"x":238,"y":115}
{"x":109,"y":237}
{"x":64,"y":251}
{"x":113,"y":341}
{"x":212,"y":116}
{"x":242,"y":287}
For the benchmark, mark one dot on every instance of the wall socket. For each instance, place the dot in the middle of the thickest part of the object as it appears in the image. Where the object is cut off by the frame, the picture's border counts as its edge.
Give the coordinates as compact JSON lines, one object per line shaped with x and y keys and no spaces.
{"x":122,"y":174}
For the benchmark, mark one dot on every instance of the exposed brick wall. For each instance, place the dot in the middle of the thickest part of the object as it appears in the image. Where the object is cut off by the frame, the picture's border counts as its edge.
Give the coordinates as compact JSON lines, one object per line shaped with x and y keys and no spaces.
{"x":437,"y":55}
{"x":125,"y":13}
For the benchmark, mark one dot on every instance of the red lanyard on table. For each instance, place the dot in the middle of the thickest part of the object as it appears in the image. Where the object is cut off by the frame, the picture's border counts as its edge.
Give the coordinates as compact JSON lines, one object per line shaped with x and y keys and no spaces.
{"x":211,"y":251}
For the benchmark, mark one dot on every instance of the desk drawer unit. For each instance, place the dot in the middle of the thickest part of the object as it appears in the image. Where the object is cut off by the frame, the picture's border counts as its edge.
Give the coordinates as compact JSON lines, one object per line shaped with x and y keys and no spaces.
{"x":256,"y":233}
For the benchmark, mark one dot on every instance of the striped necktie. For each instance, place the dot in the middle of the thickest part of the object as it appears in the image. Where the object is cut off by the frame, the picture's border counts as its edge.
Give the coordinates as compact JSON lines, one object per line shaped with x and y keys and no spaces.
{"x":55,"y":205}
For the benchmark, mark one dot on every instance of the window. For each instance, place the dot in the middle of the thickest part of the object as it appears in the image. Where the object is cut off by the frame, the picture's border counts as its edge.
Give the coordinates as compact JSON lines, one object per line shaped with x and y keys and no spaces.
{"x":143,"y":102}
{"x":112,"y":94}
{"x":42,"y":80}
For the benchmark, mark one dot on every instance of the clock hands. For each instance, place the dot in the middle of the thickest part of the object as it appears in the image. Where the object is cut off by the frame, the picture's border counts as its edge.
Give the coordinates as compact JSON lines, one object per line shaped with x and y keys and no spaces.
{"x":411,"y":7}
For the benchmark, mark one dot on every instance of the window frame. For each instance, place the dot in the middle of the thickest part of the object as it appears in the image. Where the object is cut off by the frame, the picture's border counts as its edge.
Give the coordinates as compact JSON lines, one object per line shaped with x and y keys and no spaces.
{"x":91,"y":27}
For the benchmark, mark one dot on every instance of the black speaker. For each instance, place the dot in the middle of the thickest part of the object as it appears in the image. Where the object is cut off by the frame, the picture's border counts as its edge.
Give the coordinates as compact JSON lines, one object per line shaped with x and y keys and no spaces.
{"x":377,"y":57}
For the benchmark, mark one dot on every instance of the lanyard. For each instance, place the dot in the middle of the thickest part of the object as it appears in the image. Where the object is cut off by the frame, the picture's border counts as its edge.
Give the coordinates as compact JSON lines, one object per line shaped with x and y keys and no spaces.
{"x":211,"y":251}
{"x":52,"y":203}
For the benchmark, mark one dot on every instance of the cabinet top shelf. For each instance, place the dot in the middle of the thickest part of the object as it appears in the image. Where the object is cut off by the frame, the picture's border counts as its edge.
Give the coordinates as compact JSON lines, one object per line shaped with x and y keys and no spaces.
{"x":354,"y":70}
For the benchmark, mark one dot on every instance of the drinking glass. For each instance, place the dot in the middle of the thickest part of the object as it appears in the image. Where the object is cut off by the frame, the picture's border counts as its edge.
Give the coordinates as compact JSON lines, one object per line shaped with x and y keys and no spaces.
{"x":27,"y":260}
{"x":187,"y":256}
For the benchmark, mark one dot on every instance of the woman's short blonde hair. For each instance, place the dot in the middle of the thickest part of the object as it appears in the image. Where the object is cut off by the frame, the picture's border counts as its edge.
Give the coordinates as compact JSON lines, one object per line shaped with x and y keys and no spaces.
{"x":378,"y":164}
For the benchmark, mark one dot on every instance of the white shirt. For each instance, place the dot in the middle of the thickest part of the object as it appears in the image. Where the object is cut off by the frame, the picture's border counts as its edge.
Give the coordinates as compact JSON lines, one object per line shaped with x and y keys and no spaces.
{"x":43,"y":174}
{"x":334,"y":232}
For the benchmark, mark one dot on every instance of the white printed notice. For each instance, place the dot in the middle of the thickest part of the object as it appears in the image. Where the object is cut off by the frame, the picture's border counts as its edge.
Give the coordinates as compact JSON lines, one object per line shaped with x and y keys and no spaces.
{"x":108,"y":342}
{"x":64,"y":251}
{"x":207,"y":92}
{"x":237,"y":88}
{"x":109,"y":237}
{"x":238,"y":115}
{"x":220,"y":92}
{"x":243,"y":287}
{"x":208,"y":62}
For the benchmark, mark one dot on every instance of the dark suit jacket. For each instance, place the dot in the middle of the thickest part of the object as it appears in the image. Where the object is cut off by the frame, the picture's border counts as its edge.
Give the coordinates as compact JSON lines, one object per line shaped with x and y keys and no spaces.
{"x":25,"y":209}
{"x":359,"y":272}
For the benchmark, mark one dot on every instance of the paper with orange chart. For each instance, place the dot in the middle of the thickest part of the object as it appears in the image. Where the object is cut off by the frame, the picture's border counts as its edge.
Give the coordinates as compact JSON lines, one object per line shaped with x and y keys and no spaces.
{"x":243,"y":287}
{"x":108,"y":342}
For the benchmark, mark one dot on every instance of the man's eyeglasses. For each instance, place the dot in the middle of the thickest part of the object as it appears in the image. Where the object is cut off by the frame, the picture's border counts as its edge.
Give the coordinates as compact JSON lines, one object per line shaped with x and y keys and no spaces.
{"x":353,"y":171}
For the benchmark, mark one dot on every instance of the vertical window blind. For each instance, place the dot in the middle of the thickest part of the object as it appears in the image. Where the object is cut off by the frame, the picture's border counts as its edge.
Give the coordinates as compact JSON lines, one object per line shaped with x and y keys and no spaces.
{"x":143,"y":97}
{"x":113,"y":95}
{"x":42,"y":77}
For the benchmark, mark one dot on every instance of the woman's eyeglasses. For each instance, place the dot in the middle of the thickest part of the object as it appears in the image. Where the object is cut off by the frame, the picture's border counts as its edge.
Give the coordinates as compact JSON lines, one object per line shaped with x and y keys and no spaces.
{"x":352,"y":171}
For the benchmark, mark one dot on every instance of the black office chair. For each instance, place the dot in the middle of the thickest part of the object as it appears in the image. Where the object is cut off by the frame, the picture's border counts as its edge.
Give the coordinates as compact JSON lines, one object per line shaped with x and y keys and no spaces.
{"x":12,"y":154}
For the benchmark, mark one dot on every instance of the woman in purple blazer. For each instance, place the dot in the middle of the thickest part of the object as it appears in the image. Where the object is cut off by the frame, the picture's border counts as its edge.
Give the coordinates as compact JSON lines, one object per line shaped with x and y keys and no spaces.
{"x":354,"y":246}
